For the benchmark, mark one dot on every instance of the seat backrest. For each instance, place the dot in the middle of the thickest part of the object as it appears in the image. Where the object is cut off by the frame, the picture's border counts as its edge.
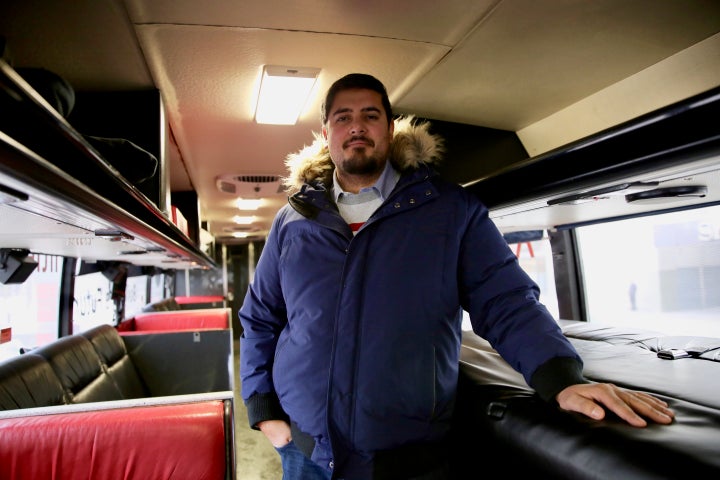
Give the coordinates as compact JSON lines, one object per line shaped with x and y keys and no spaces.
{"x":80,"y":370}
{"x":164,"y":305}
{"x":199,"y":319}
{"x":28,"y":381}
{"x":110,"y":347}
{"x":183,"y":441}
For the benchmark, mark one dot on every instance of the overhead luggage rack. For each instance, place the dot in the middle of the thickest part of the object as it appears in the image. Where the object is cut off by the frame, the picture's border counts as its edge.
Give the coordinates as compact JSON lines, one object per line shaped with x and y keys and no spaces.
{"x":60,"y":197}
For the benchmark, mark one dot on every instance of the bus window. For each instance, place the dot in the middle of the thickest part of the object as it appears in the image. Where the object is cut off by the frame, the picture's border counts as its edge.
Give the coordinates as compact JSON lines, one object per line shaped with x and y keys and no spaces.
{"x":535,"y":257}
{"x":136,"y":294}
{"x":158,"y":287}
{"x":656,"y":272}
{"x":29,"y":311}
{"x":93,"y":302}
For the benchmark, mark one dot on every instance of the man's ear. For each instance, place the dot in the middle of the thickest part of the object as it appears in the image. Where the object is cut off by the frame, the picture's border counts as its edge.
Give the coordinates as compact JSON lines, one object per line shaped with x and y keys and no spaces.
{"x":324,"y":133}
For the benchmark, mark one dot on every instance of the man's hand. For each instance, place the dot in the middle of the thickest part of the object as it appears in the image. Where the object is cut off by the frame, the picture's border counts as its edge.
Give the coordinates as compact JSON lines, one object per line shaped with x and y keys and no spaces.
{"x":277,"y":431}
{"x":590,"y":398}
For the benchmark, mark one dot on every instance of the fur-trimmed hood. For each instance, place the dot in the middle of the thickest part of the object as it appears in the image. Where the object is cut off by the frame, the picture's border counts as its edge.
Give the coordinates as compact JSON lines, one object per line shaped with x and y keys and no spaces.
{"x":412,"y":144}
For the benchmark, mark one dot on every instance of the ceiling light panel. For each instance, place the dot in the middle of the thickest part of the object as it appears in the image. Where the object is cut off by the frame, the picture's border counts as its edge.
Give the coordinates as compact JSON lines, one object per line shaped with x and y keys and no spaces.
{"x":284,"y":93}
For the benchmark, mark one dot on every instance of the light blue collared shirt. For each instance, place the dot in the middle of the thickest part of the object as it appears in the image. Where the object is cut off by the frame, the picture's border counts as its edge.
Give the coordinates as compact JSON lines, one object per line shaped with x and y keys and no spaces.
{"x":380,"y":189}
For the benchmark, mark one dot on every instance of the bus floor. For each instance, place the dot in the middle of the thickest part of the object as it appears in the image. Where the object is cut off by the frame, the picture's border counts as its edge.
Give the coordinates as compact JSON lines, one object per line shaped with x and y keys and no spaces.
{"x":255,"y":457}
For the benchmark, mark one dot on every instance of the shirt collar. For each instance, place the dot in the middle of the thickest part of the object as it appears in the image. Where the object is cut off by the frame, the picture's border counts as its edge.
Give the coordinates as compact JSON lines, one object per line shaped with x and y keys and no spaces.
{"x":382,"y":187}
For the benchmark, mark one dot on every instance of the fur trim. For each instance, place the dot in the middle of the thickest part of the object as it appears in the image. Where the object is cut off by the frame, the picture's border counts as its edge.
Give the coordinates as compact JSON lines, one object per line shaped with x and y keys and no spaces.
{"x":412,"y":144}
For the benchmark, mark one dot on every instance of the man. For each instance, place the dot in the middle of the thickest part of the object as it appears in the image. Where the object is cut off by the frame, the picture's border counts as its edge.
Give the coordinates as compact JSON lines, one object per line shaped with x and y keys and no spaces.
{"x":352,"y":325}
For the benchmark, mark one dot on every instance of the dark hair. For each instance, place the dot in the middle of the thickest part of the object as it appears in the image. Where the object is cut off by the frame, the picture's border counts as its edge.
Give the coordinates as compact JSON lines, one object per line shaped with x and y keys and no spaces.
{"x":351,"y":81}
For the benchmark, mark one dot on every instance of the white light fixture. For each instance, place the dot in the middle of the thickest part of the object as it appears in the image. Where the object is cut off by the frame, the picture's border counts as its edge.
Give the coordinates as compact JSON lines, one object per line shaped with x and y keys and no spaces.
{"x":284,"y":92}
{"x":243,"y":220}
{"x":248,"y":203}
{"x":240,"y":234}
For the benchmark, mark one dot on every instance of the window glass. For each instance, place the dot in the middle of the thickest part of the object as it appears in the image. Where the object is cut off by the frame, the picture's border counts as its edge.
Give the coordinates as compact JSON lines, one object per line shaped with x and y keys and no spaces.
{"x":157,"y":288}
{"x":536,"y":259}
{"x":136,"y":294}
{"x":657,"y":272}
{"x":93,"y":303}
{"x":29,"y":311}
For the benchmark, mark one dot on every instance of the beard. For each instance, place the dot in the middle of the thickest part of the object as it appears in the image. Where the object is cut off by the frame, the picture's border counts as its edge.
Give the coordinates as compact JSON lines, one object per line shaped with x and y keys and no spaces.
{"x":358,"y":162}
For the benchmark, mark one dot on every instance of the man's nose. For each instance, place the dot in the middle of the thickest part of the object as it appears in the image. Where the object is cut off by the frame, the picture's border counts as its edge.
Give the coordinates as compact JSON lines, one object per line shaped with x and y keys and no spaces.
{"x":357,"y":127}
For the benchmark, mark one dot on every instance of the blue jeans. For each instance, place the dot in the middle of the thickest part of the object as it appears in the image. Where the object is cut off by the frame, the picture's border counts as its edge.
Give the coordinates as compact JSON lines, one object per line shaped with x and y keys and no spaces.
{"x":297,"y":466}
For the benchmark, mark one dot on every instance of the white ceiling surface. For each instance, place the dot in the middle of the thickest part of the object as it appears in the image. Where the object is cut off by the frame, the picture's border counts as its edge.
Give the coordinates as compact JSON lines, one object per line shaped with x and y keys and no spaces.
{"x":510,"y":64}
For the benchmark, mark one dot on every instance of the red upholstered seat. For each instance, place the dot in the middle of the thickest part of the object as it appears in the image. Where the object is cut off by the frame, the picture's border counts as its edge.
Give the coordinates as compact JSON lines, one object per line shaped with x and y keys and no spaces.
{"x":177,"y":320}
{"x":177,"y":441}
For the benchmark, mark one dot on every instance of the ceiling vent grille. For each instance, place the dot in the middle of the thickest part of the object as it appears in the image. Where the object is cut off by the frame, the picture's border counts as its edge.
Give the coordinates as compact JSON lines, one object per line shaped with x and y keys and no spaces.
{"x":258,"y":178}
{"x":251,"y":185}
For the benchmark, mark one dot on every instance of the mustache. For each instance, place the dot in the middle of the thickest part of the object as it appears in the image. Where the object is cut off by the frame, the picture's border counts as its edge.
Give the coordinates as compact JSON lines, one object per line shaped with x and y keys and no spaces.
{"x":359,"y":138}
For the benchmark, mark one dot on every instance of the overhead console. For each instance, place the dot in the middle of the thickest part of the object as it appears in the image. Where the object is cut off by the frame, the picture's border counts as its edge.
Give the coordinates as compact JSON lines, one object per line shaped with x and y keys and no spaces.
{"x":667,"y":159}
{"x":59,"y":195}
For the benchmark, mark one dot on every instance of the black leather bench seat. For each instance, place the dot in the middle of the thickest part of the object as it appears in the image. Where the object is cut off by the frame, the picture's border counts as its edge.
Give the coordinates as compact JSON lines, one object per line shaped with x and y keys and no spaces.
{"x":499,"y":419}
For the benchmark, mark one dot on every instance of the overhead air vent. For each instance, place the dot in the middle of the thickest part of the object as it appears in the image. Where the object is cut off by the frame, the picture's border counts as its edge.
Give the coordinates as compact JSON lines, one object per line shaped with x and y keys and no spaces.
{"x":257,"y":178}
{"x":251,"y":185}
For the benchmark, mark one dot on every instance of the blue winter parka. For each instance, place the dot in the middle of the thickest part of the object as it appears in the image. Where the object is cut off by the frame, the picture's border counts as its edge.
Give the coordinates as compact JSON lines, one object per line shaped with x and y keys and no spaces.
{"x":356,"y":338}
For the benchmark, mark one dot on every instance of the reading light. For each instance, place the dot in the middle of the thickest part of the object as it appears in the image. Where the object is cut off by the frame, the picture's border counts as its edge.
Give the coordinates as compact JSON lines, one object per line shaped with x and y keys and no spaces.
{"x":248,"y":203}
{"x":284,"y":92}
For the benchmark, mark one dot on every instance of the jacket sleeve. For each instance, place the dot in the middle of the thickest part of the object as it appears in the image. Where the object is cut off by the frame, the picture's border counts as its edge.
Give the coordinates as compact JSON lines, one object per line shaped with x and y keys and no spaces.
{"x":264,"y":406}
{"x":504,"y":308}
{"x":262,"y":316}
{"x":554,"y":375}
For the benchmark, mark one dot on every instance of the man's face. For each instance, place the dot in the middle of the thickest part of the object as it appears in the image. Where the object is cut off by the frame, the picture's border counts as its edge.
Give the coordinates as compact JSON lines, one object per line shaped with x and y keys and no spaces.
{"x":358,"y":134}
